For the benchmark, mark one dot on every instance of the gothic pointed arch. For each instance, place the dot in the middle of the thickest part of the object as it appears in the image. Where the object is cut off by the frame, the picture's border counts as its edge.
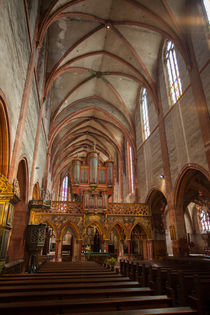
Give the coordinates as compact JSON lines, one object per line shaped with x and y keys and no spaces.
{"x":160,"y":221}
{"x":192,"y":201}
{"x":4,"y":136}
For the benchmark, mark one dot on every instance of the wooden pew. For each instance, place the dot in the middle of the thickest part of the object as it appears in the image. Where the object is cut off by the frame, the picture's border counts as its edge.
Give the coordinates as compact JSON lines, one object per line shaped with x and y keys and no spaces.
{"x":70,"y":277}
{"x":160,"y":311}
{"x":63,"y":286}
{"x":195,"y":290}
{"x":79,"y":305}
{"x":164,"y":278}
{"x":59,"y":281}
{"x":73,"y":293}
{"x":79,"y":288}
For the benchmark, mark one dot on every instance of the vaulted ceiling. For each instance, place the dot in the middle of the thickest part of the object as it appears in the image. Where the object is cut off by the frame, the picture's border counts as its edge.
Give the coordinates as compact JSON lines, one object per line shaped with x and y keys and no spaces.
{"x":100,"y":54}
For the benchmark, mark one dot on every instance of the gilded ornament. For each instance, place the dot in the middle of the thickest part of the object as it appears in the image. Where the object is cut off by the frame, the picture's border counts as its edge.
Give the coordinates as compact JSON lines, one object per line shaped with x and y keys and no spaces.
{"x":16,"y":188}
{"x":6,"y":191}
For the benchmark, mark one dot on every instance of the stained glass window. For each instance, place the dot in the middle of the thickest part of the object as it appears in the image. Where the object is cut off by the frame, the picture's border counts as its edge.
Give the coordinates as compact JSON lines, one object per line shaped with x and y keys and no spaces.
{"x":175,"y":85}
{"x":65,"y":188}
{"x":205,"y":220}
{"x":144,"y":115}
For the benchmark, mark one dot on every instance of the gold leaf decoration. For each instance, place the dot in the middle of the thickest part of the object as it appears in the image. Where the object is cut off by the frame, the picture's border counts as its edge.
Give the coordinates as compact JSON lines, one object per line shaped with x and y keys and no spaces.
{"x":5,"y":187}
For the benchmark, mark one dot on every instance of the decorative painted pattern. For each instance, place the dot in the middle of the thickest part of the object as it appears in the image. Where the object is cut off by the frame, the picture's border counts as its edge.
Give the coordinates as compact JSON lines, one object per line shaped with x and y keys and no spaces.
{"x":129,"y":209}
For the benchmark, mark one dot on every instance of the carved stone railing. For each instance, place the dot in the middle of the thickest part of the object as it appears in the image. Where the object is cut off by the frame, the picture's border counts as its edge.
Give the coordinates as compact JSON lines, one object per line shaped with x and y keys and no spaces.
{"x":128,"y":209}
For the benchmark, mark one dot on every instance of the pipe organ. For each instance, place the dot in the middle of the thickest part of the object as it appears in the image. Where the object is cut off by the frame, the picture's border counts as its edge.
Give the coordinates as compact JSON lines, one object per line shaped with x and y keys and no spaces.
{"x":92,"y":182}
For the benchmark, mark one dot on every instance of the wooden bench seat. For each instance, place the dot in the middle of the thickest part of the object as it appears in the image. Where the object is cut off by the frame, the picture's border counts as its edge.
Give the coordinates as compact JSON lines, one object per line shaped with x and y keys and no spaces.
{"x":70,"y":280}
{"x":57,"y":277}
{"x":79,"y":305}
{"x":156,"y":311}
{"x":56,"y":286}
{"x":54,"y":275}
{"x":73,"y":293}
{"x":200,"y":297}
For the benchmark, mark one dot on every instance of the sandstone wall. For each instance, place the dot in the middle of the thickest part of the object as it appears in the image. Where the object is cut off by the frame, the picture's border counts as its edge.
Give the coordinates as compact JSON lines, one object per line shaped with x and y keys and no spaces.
{"x":183,"y":134}
{"x":14,"y":60}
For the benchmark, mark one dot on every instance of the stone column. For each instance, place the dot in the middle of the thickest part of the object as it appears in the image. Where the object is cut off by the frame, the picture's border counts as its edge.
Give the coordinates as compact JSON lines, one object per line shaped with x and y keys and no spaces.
{"x":79,"y":250}
{"x":149,"y":250}
{"x":75,"y":250}
{"x":129,"y":249}
{"x":121,"y":249}
{"x":145,"y":252}
{"x":58,"y":250}
{"x":106,"y":245}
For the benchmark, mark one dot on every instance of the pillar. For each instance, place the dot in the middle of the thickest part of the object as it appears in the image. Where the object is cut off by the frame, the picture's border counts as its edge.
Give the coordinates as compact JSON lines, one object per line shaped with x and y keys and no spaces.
{"x":79,"y":250}
{"x":129,"y":249}
{"x":121,"y":249}
{"x":58,"y":250}
{"x":106,"y":245}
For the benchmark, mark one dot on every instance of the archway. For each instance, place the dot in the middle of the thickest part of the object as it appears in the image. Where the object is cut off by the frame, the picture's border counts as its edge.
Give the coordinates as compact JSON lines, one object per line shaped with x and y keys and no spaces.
{"x":160,"y":223}
{"x":4,"y":138}
{"x":137,"y":236}
{"x":70,"y":249}
{"x":17,"y":242}
{"x":116,"y":242}
{"x":93,"y":239}
{"x":68,"y":245}
{"x":193,"y":206}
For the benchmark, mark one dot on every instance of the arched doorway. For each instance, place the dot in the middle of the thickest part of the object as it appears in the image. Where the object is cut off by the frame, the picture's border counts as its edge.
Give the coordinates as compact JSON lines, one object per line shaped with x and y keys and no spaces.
{"x":116,"y":242}
{"x":193,"y":205}
{"x":68,"y":245}
{"x":17,"y":242}
{"x":92,"y":239}
{"x":160,"y":223}
{"x":4,"y":139}
{"x":137,"y":236}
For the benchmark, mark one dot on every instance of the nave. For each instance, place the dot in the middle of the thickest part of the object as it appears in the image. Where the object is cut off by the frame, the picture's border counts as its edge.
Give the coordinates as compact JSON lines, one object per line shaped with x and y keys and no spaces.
{"x":87,"y":288}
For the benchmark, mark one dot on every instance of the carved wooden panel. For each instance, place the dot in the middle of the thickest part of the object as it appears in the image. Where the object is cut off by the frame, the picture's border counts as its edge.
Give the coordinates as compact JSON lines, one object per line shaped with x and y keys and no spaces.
{"x":135,"y":209}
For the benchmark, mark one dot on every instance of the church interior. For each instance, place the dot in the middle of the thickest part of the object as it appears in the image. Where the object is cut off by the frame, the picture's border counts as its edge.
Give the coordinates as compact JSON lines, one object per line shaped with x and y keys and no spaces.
{"x":104,"y":138}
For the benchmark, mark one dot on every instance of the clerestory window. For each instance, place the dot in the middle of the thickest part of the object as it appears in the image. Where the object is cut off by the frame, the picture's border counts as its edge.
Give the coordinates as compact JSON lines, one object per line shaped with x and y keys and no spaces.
{"x":144,"y":115}
{"x":174,"y":81}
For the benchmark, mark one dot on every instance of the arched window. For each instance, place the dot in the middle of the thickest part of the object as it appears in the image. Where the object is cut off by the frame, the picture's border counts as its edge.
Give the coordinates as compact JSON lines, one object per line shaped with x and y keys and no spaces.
{"x":65,"y":188}
{"x":207,"y":8}
{"x":174,"y":84}
{"x":204,"y":220}
{"x":144,"y":115}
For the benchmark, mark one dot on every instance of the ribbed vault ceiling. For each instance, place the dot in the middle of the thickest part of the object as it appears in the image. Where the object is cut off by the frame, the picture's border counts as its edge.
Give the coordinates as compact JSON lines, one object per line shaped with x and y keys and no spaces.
{"x":100,"y":54}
